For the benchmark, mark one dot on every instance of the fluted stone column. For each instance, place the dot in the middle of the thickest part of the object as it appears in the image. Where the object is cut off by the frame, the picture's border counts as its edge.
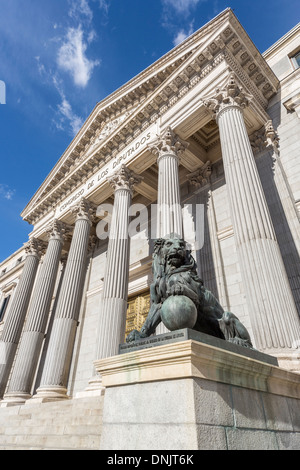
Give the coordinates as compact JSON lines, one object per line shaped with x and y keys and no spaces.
{"x":271,"y":306}
{"x":168,"y":148}
{"x":22,"y":377}
{"x":15,"y":320}
{"x":115,"y":288}
{"x":56,"y":369}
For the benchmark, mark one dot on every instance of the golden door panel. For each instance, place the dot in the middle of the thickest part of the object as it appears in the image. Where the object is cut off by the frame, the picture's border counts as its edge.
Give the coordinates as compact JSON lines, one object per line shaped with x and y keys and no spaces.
{"x":137,"y":311}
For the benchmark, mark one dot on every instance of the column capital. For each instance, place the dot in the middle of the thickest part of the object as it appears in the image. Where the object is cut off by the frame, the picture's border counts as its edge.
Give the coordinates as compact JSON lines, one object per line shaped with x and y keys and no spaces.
{"x":200,"y":177}
{"x":92,"y":243}
{"x":272,"y":139}
{"x":84,"y":210}
{"x":124,"y":179}
{"x":265,"y":138}
{"x":57,"y":230}
{"x":230,"y":95}
{"x":63,"y":260}
{"x":168,"y":143}
{"x":35,"y":247}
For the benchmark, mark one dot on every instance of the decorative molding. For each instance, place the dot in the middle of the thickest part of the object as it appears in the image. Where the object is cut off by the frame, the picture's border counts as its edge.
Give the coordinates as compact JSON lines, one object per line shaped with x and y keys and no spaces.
{"x":258,"y":141}
{"x":106,"y":131}
{"x":272,"y":139}
{"x":35,"y":247}
{"x":265,"y":138}
{"x":84,"y":209}
{"x":231,"y":94}
{"x":124,"y":179}
{"x":201,"y":177}
{"x":244,"y":67}
{"x":58,"y":230}
{"x":293,"y":104}
{"x":168,"y":143}
{"x":225,"y":233}
{"x":92,"y":243}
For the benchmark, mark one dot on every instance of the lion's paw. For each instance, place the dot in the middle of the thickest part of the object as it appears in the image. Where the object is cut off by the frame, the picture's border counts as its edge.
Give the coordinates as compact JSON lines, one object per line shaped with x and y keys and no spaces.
{"x":134,"y":335}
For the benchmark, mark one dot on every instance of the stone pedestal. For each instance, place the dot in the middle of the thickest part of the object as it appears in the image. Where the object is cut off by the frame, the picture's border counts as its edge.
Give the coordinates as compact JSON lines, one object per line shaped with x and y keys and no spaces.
{"x":197,"y":396}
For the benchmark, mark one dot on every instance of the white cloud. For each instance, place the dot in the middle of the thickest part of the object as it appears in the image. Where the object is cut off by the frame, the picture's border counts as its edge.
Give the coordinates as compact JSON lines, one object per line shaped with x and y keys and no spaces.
{"x":180,"y":6}
{"x":72,"y":57}
{"x":183,"y":34}
{"x":104,"y":5}
{"x":65,"y":113}
{"x":176,"y":18}
{"x":6,"y":192}
{"x":80,"y":9}
{"x":41,"y":67}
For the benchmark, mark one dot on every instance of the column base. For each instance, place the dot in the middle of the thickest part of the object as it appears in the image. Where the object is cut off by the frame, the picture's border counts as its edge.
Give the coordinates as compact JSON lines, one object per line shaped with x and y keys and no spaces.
{"x":14,"y":399}
{"x":47,"y":394}
{"x":95,"y":388}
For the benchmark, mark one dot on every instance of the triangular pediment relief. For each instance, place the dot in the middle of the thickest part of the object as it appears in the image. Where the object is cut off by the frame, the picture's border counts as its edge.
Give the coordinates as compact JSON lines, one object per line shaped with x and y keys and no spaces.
{"x":128,"y":112}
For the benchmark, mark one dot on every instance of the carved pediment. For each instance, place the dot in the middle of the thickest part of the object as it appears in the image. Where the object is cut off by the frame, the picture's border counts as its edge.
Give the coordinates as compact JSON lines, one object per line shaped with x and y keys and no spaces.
{"x":123,"y":116}
{"x":106,"y":130}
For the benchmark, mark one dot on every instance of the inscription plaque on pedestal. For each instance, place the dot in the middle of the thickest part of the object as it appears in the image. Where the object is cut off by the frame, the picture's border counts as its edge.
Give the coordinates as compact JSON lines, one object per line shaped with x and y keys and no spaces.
{"x":188,"y":334}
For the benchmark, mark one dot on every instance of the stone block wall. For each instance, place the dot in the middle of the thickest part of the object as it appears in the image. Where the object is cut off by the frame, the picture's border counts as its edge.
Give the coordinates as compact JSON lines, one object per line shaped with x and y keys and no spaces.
{"x":196,"y":396}
{"x":199,"y":414}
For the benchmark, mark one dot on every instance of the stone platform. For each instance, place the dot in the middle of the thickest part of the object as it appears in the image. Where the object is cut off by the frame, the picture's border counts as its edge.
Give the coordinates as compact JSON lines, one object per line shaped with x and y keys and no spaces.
{"x":195,"y":395}
{"x":186,"y":334}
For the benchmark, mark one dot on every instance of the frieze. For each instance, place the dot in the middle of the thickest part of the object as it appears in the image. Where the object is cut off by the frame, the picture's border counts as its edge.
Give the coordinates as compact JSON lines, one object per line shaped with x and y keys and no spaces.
{"x":106,"y":171}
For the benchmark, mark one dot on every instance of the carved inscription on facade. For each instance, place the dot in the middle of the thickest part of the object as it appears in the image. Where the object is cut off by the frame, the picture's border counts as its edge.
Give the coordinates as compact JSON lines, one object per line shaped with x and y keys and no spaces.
{"x":130,"y":152}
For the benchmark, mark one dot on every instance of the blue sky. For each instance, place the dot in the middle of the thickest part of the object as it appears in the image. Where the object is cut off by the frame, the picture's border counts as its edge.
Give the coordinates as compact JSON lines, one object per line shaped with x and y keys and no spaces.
{"x":59,"y":58}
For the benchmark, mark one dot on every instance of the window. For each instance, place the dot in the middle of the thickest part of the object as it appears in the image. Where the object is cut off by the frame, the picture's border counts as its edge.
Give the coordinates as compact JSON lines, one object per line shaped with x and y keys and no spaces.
{"x":4,"y":307}
{"x":296,"y":59}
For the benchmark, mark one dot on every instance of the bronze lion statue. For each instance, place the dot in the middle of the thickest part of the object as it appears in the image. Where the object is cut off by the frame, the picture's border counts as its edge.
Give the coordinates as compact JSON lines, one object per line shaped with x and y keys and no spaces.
{"x":175,"y":274}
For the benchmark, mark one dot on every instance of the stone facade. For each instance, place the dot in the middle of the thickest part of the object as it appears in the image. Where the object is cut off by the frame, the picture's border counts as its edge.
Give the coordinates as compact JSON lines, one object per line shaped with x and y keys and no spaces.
{"x":192,"y":396}
{"x":213,"y":127}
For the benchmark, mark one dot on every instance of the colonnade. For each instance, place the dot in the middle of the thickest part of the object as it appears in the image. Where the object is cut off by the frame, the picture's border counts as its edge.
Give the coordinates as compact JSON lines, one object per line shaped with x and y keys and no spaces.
{"x":272,"y":311}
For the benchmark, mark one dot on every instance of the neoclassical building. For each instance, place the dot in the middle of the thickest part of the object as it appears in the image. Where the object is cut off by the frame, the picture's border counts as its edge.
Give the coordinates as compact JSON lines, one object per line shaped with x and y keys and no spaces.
{"x":212,"y":130}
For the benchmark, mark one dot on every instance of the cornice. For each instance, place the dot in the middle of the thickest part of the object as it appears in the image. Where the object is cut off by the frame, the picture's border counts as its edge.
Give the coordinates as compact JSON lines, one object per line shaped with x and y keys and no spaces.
{"x":15,"y":269}
{"x":222,"y":39}
{"x":271,"y":51}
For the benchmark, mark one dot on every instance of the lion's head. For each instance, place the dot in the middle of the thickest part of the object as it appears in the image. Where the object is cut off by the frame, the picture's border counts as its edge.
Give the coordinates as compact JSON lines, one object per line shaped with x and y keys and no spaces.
{"x":171,"y":253}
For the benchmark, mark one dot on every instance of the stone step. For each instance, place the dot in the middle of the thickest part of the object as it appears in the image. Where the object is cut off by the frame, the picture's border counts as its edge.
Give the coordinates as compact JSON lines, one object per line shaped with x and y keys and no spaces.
{"x":56,"y":442}
{"x":70,"y":424}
